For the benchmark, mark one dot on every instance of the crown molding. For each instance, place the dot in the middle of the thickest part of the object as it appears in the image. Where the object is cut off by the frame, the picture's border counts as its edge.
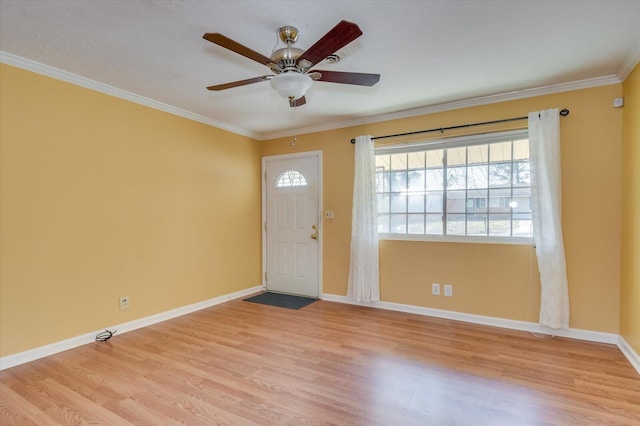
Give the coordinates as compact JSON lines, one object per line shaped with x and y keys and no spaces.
{"x":58,"y":74}
{"x":46,"y":70}
{"x":629,"y":62}
{"x":448,"y":106}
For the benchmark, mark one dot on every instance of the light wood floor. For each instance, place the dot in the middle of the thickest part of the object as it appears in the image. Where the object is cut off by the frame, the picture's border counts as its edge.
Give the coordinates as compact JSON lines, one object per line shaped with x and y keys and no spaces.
{"x":242,"y":363}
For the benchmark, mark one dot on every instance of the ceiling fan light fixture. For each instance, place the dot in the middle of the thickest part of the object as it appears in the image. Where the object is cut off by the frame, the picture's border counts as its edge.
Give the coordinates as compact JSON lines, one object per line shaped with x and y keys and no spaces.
{"x":291,"y":85}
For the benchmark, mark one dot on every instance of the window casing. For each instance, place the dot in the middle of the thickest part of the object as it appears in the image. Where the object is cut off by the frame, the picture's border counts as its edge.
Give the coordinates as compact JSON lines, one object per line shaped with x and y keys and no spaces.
{"x":471,"y":188}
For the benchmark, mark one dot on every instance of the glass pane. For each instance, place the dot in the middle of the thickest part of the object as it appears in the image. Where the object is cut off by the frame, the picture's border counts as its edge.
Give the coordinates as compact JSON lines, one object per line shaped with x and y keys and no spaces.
{"x":433,"y":224}
{"x":416,"y":180}
{"x":398,"y":203}
{"x":477,"y":224}
{"x":477,"y":154}
{"x":291,"y":178}
{"x":416,"y":224}
{"x":521,"y":173}
{"x":398,"y":181}
{"x":456,"y":202}
{"x":416,"y":203}
{"x":499,"y":200}
{"x":435,"y":179}
{"x":477,"y":201}
{"x":477,"y":177}
{"x":434,"y":158}
{"x":383,"y":162}
{"x":398,"y":224}
{"x":522,"y":225}
{"x":521,"y":149}
{"x":382,"y":204}
{"x":382,"y":182}
{"x":398,"y":161}
{"x":485,"y":185}
{"x":456,"y":156}
{"x":521,"y":200}
{"x":383,"y":223}
{"x":434,"y":202}
{"x":416,"y":160}
{"x":455,"y":224}
{"x":500,"y":174}
{"x":456,"y":177}
{"x":500,"y":151}
{"x":500,"y":225}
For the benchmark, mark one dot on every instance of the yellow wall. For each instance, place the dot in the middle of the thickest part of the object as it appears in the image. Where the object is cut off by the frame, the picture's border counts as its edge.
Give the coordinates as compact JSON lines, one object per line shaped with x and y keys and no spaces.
{"x":630,"y":287}
{"x":495,"y":280}
{"x":101,"y":198}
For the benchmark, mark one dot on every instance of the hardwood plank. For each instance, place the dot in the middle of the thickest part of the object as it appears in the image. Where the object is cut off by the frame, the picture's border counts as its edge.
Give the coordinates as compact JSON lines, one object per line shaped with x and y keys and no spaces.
{"x":248,"y":364}
{"x":16,"y":410}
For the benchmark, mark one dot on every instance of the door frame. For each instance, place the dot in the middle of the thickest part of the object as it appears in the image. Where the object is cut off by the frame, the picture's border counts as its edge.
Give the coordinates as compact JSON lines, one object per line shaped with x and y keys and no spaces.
{"x":317,"y":155}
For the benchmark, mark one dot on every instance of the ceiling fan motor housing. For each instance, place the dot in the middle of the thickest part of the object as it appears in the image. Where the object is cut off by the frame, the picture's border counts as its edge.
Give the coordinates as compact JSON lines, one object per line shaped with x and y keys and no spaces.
{"x":286,"y":59}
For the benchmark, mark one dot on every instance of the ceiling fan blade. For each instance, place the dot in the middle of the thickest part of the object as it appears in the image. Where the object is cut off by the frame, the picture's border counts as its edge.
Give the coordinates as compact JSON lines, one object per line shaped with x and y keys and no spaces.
{"x":239,"y":83}
{"x":234,"y":46}
{"x":357,"y":78}
{"x":297,"y":102}
{"x":338,"y":37}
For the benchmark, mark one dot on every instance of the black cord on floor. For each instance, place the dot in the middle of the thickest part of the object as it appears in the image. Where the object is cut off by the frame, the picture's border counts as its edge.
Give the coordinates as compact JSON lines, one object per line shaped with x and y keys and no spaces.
{"x":105,"y":335}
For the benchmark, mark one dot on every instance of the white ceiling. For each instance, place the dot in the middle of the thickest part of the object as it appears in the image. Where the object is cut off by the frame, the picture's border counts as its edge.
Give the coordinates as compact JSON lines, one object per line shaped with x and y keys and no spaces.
{"x":427,"y":52}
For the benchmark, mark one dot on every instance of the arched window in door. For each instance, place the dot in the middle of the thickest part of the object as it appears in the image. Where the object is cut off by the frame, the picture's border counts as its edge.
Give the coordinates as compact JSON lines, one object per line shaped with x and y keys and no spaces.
{"x":291,"y":178}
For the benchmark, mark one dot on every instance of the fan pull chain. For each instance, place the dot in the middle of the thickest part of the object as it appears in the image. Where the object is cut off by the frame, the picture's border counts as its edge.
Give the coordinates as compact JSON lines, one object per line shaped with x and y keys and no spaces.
{"x":293,"y":120}
{"x":277,"y":40}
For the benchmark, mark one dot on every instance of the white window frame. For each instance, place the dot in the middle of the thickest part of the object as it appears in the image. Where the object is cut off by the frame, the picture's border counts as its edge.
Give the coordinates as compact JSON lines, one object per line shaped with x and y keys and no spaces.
{"x":455,"y":142}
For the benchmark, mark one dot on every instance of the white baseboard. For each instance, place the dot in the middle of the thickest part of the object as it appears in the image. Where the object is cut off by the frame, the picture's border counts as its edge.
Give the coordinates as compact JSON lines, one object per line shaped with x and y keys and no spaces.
{"x":74,"y":342}
{"x":631,"y":355}
{"x":573,"y":333}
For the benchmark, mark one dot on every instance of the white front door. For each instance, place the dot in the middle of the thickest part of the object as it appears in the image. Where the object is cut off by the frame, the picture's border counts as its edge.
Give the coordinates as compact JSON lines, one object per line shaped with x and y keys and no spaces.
{"x":292,"y":220}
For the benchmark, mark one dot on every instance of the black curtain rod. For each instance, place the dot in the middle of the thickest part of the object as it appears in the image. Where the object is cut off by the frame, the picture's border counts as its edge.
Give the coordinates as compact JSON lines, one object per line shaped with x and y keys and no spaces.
{"x":563,"y":113}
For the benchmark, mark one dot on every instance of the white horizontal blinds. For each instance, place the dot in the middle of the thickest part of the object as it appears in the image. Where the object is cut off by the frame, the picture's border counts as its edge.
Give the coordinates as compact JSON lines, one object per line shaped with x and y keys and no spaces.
{"x":468,"y":186}
{"x":454,"y":142}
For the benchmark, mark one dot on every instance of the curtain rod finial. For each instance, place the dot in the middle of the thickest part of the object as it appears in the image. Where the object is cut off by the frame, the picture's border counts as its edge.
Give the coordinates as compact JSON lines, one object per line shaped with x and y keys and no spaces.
{"x":564,"y":112}
{"x":353,"y":141}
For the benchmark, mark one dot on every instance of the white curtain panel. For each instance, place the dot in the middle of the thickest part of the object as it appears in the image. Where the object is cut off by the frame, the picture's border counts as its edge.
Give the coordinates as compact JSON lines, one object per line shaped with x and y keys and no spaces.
{"x":364,"y":275}
{"x":546,"y":208}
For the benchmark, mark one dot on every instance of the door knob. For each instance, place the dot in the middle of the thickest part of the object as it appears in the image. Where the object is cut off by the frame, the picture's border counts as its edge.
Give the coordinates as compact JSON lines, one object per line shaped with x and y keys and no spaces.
{"x":314,"y":236}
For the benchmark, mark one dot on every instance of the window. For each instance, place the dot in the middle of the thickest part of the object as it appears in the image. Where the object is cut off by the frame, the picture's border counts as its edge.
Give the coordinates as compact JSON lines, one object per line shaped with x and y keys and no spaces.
{"x":291,"y":178}
{"x":474,"y":186}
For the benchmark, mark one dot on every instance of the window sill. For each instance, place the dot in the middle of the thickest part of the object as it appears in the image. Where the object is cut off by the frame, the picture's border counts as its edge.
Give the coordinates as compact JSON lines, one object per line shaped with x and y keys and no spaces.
{"x":458,"y":239}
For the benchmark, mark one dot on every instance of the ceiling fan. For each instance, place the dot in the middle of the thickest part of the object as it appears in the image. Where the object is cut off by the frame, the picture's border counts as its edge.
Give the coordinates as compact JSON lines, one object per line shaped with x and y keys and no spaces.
{"x":292,"y":66}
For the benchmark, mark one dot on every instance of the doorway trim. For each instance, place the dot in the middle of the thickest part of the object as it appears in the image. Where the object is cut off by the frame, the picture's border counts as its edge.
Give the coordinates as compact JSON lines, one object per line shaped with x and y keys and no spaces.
{"x":317,"y":155}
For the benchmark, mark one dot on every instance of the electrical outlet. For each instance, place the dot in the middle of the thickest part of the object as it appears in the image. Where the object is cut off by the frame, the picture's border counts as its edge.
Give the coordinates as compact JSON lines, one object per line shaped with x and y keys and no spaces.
{"x":448,"y":290}
{"x":124,"y":303}
{"x":435,"y":289}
